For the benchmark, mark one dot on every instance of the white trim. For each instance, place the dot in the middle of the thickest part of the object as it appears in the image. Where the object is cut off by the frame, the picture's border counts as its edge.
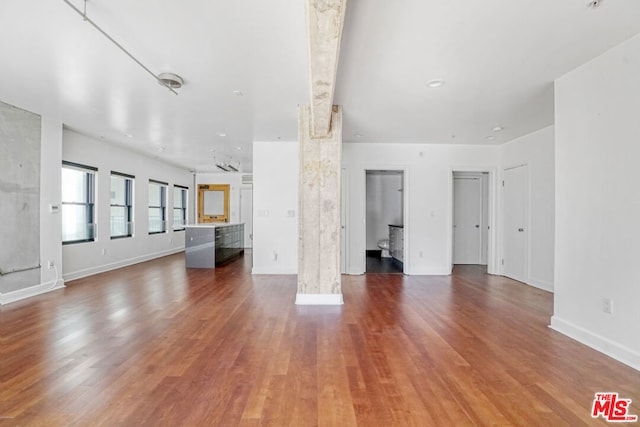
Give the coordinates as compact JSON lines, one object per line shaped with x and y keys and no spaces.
{"x":604,"y":345}
{"x":119,"y":264}
{"x":31,"y":291}
{"x":545,"y":285}
{"x":293,"y":271}
{"x":493,"y":237}
{"x":319,"y":299}
{"x":404,"y":168}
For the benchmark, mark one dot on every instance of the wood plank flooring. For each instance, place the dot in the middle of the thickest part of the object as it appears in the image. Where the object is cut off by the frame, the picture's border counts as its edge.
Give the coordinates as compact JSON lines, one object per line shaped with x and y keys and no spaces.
{"x":158,"y":345}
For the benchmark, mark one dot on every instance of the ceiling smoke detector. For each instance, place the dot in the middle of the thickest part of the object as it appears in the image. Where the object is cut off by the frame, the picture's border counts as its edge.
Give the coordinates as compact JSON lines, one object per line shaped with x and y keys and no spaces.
{"x":171,"y":80}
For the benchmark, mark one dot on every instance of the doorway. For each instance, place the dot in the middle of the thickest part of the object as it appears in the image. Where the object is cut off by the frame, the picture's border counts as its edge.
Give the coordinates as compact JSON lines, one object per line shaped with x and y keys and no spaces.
{"x":470,"y":217}
{"x":384,"y":221}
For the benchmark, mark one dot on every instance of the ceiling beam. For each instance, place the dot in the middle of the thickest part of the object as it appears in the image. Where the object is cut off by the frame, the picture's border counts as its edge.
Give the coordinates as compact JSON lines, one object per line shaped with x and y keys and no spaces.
{"x":325,"y":20}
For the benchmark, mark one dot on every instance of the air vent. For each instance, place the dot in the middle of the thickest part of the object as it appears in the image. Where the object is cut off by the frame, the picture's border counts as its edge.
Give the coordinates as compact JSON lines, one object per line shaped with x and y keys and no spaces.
{"x":247,"y":179}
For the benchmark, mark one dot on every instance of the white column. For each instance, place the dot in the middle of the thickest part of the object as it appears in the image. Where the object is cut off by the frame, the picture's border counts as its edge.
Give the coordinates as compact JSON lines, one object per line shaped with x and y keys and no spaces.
{"x":319,"y":280}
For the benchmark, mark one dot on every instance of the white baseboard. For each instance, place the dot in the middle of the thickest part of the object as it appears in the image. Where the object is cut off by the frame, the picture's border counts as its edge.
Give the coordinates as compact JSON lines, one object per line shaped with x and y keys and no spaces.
{"x":119,"y":264}
{"x":540,"y":284}
{"x":604,"y":345}
{"x":319,"y":299}
{"x":286,"y":271}
{"x":31,"y":291}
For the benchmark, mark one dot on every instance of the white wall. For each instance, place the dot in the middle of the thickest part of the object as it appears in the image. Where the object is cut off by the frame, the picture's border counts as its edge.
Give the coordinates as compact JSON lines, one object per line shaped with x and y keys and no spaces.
{"x":275,"y":207}
{"x":51,"y":194}
{"x":598,"y":203}
{"x":537,"y":151}
{"x":428,"y":188}
{"x":83,"y":259}
{"x":384,"y":205}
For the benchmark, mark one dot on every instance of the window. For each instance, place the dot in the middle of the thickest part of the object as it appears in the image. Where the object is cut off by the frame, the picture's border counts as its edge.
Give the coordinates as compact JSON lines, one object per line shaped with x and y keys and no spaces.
{"x":78,"y":205}
{"x":157,"y":207}
{"x":179,"y":207}
{"x":121,"y":205}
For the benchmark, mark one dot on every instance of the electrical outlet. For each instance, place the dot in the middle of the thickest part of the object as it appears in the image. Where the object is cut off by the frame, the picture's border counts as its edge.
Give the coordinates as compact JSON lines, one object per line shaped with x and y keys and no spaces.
{"x":104,"y":251}
{"x":607,"y":305}
{"x":50,"y":264}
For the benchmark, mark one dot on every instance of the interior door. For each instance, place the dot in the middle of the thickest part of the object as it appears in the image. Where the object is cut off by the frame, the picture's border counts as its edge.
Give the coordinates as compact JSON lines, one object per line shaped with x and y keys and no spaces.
{"x":467,"y":220}
{"x":246,"y":215}
{"x":515,"y":197}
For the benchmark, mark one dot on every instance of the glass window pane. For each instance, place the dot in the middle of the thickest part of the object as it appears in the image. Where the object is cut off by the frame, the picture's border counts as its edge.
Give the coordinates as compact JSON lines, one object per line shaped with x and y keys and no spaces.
{"x":120,"y":226}
{"x":74,"y":186}
{"x":75,"y":224}
{"x":156,"y":221}
{"x":214,"y":203}
{"x":177,"y":197}
{"x":118,"y":190}
{"x":155,"y":198}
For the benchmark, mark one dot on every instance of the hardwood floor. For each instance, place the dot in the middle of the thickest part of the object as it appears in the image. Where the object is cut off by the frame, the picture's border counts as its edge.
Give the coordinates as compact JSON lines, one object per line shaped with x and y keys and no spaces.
{"x":157,"y":345}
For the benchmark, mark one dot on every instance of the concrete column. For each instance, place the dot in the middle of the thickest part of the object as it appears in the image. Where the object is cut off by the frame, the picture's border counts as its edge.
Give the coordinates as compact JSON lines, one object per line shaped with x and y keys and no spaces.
{"x":319,"y":280}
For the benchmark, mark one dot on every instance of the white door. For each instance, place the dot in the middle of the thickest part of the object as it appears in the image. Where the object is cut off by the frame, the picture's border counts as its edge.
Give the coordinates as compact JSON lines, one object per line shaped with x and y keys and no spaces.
{"x":516,"y":196}
{"x":467,"y":220}
{"x":246,"y":215}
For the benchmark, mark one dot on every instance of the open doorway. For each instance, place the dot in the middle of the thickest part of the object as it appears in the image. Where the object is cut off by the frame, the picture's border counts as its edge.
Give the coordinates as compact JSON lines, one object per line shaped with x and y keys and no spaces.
{"x":384,"y":221}
{"x":470,"y":218}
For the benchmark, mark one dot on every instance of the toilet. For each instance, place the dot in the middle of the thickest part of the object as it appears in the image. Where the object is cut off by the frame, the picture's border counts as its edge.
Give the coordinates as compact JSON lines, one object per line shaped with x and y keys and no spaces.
{"x":384,"y":245}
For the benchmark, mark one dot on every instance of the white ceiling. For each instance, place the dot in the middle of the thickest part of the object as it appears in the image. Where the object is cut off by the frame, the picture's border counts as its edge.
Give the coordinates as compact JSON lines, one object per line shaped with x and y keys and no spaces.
{"x":498,"y":59}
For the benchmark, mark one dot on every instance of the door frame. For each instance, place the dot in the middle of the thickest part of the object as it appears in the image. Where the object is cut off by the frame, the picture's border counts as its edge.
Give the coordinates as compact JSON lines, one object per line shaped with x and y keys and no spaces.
{"x":482,"y":220}
{"x":406,"y":268}
{"x":492,"y":200}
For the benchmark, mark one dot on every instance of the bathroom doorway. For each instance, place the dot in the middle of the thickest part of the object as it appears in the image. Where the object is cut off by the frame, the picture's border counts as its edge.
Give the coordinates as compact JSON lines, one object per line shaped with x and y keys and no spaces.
{"x":384,"y":221}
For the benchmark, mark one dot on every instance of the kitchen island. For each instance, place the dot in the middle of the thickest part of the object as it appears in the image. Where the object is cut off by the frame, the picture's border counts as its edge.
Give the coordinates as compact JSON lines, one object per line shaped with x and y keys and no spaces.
{"x":210,"y":245}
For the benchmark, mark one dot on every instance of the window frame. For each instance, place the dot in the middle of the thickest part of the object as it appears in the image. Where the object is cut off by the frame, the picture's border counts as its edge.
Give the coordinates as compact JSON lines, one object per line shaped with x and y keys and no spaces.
{"x":184,"y":197}
{"x":163,"y":206}
{"x":128,"y":198}
{"x":90,"y":203}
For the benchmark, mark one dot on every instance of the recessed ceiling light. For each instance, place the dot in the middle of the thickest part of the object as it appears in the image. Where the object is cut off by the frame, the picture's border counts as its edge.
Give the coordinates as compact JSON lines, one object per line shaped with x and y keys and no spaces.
{"x":435,"y":83}
{"x":238,"y":92}
{"x":128,"y":135}
{"x":490,"y":137}
{"x":498,"y":129}
{"x":238,"y":148}
{"x":222,"y":134}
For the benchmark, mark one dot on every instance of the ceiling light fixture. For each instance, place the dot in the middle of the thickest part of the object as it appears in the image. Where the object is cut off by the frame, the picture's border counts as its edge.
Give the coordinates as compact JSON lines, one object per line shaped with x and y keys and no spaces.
{"x":226,"y":167}
{"x":83,"y":13}
{"x":222,"y":134}
{"x":170,"y":80}
{"x":435,"y":83}
{"x":490,"y":137}
{"x":498,"y":129}
{"x":238,"y":92}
